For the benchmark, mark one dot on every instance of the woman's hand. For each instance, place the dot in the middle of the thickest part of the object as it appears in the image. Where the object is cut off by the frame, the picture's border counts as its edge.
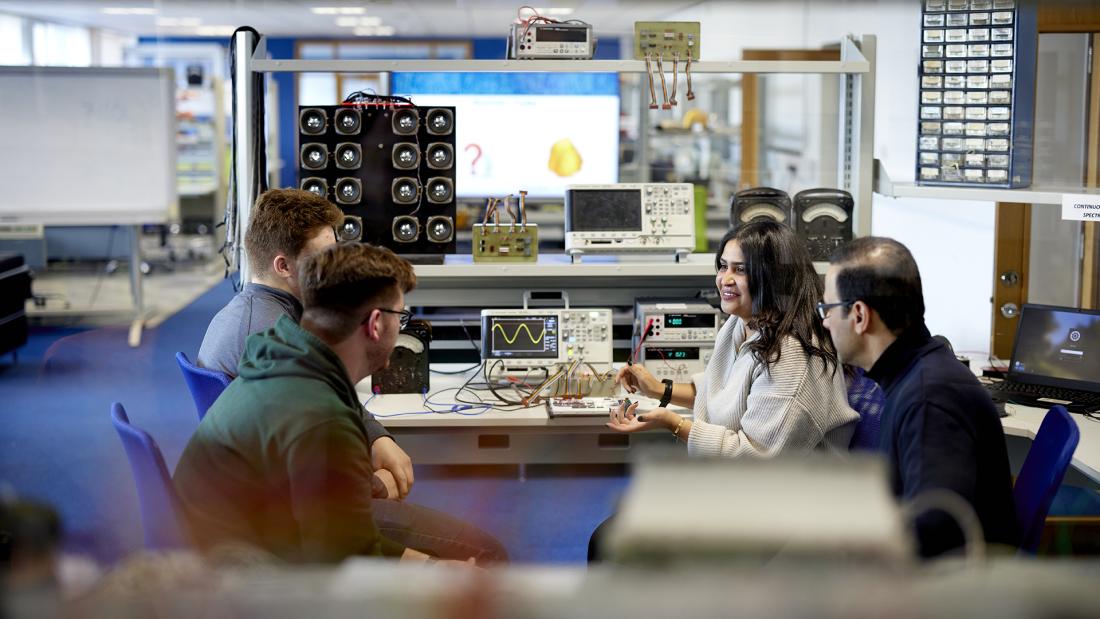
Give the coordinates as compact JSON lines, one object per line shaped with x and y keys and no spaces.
{"x":628,"y":420}
{"x":635,"y":378}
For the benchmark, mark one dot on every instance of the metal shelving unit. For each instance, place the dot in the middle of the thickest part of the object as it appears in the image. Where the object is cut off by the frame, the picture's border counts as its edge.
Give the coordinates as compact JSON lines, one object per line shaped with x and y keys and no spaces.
{"x":446,"y":283}
{"x":1036,"y":194}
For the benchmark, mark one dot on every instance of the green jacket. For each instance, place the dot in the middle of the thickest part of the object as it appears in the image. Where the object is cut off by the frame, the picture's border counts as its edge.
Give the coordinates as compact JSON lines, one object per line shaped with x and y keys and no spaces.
{"x":282,"y":459}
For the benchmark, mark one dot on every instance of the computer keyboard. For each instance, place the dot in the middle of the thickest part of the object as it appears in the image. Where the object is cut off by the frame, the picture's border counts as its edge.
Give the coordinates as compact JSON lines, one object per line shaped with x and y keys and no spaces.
{"x":1009,"y":388}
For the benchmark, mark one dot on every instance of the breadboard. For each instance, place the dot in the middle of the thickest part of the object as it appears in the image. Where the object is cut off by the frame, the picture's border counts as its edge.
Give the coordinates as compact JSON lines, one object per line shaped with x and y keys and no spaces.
{"x":582,"y":407}
{"x":669,"y":39}
{"x":506,"y":242}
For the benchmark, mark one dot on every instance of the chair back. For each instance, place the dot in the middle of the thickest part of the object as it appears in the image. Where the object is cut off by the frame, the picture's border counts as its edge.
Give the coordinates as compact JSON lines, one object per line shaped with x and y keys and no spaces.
{"x":867,"y":398}
{"x":1042,"y":473}
{"x":205,"y":385}
{"x":160,"y":510}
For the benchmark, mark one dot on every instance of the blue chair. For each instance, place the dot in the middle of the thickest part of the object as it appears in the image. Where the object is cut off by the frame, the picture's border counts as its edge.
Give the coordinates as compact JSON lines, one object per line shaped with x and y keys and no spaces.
{"x":161,"y":516}
{"x":1042,"y":474}
{"x":205,"y":385}
{"x":867,"y":398}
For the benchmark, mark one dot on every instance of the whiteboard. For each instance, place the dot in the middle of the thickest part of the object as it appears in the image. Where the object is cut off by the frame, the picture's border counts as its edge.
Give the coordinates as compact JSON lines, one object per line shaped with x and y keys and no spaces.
{"x":87,"y":146}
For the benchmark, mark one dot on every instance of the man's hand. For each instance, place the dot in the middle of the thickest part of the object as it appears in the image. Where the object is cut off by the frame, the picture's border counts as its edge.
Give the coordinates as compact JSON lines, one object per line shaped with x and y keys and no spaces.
{"x":387,"y":480}
{"x":386,"y":455}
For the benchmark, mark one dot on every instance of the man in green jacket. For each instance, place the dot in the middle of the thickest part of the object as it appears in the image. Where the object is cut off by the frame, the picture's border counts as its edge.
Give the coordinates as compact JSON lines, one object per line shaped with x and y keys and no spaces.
{"x":282,"y":460}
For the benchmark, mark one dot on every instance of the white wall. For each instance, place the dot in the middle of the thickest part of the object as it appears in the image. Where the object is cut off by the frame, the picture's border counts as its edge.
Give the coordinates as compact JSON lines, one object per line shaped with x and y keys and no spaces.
{"x":952,"y":241}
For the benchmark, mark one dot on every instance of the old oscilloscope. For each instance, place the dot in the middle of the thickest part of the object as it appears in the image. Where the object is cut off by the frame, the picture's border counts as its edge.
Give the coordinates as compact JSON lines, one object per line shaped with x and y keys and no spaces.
{"x":630,"y":218}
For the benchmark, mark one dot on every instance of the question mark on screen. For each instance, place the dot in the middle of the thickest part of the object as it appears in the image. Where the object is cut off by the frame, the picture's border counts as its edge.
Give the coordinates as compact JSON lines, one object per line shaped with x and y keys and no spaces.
{"x":473,"y":164}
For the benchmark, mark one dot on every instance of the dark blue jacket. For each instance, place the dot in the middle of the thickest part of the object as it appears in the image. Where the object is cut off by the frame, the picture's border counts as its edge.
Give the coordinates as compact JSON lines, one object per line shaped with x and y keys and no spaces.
{"x":941,"y":430}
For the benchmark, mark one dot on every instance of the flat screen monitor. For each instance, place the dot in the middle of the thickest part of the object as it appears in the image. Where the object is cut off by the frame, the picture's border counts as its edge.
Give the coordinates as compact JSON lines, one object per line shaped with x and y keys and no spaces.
{"x":535,"y":131}
{"x":533,"y":336}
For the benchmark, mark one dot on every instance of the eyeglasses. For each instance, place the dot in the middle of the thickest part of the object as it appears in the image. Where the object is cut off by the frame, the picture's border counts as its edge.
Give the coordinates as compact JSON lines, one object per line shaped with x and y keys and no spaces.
{"x":823,"y":308}
{"x":406,"y":316}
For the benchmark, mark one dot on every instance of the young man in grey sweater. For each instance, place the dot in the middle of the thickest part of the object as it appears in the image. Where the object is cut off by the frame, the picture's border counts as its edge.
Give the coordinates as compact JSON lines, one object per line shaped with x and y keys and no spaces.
{"x":287,"y":225}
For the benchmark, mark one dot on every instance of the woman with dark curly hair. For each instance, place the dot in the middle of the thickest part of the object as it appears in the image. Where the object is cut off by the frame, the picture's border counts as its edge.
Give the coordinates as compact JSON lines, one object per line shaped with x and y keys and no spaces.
{"x":774,"y":382}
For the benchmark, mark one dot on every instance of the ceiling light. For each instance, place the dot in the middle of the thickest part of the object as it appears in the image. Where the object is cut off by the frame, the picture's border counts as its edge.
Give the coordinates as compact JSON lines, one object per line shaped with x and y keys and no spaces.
{"x":375,"y":31}
{"x":215,"y":31}
{"x":352,"y":22}
{"x":125,"y":10}
{"x":171,"y":22}
{"x":338,"y":10}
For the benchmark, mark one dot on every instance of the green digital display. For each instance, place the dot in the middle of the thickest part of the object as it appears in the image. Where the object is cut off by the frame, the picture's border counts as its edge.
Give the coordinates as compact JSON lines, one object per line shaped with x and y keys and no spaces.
{"x":688,"y":321}
{"x":672,"y":353}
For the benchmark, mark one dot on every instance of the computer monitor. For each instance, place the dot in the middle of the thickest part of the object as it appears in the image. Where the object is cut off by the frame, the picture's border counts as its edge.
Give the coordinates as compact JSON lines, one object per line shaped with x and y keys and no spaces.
{"x":1058,"y":347}
{"x":534,"y":131}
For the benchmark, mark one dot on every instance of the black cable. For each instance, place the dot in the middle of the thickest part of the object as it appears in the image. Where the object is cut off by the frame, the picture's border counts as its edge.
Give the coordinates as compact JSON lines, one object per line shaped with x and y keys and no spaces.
{"x":362,"y":96}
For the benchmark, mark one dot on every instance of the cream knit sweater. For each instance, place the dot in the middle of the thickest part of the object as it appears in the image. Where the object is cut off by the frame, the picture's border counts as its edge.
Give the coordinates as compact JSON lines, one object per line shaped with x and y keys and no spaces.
{"x":740,"y":409}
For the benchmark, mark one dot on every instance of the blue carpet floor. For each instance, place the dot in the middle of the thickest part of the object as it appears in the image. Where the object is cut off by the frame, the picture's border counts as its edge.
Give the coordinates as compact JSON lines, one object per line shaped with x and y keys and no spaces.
{"x":57,"y":445}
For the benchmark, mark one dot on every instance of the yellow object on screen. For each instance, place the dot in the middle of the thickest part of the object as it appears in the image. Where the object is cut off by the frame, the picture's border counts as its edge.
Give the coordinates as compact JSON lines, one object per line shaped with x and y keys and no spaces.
{"x":565,"y":159}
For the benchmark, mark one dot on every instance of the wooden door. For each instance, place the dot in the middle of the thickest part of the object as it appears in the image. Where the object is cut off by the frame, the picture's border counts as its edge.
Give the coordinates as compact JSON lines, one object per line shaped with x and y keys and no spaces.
{"x":1012,"y":240}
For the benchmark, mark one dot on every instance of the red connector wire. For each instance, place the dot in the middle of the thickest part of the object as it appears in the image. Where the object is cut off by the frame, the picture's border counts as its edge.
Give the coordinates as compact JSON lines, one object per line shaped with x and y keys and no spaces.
{"x":641,"y":340}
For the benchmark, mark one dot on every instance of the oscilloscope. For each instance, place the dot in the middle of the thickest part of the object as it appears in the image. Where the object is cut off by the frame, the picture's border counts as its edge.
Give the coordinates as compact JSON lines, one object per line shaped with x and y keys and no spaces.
{"x":630,"y":217}
{"x":538,"y":338}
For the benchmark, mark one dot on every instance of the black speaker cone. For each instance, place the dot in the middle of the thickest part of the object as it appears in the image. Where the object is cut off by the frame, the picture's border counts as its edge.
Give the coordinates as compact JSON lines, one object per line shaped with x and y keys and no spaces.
{"x":440,"y":229}
{"x":406,"y":121}
{"x":348,"y":121}
{"x":440,"y":121}
{"x":406,"y":156}
{"x":315,"y":185}
{"x":404,"y":190}
{"x":405,"y":229}
{"x":349,"y":156}
{"x":314,"y":156}
{"x":312,"y":121}
{"x":440,"y":190}
{"x":351,"y":229}
{"x":348,"y":191}
{"x":440,"y":156}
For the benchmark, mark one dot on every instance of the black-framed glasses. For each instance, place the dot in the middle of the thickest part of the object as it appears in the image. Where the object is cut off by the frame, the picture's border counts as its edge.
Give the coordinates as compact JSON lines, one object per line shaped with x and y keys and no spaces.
{"x":823,"y":308}
{"x":406,"y":316}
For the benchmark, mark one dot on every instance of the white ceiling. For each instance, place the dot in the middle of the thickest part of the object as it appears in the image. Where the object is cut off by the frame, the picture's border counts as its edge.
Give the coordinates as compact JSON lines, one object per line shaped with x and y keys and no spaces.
{"x":408,"y":18}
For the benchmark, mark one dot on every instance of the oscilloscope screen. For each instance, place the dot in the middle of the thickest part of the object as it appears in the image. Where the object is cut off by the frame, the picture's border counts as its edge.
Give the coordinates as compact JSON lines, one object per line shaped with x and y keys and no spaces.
{"x":520,"y":337}
{"x":594,"y":210}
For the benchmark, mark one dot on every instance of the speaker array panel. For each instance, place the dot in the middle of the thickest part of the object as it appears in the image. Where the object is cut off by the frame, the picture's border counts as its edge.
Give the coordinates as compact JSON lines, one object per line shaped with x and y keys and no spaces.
{"x":391,"y":169}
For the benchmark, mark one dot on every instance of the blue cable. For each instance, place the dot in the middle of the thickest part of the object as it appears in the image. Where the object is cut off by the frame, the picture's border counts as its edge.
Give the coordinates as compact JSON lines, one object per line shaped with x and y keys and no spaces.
{"x":457,"y":409}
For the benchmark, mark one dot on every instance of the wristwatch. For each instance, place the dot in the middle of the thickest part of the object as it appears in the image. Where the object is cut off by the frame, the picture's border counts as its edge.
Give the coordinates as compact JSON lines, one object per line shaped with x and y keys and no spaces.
{"x":667,"y":396}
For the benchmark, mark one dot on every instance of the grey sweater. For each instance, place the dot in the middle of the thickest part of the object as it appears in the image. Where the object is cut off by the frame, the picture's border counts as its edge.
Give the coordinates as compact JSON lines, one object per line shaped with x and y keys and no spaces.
{"x":743,"y":410}
{"x":254,"y":309}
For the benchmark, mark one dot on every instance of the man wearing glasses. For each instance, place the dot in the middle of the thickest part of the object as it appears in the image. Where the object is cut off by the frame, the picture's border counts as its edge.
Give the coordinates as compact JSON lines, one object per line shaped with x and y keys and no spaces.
{"x":940,"y":429}
{"x":282,"y":461}
{"x":288,"y":226}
